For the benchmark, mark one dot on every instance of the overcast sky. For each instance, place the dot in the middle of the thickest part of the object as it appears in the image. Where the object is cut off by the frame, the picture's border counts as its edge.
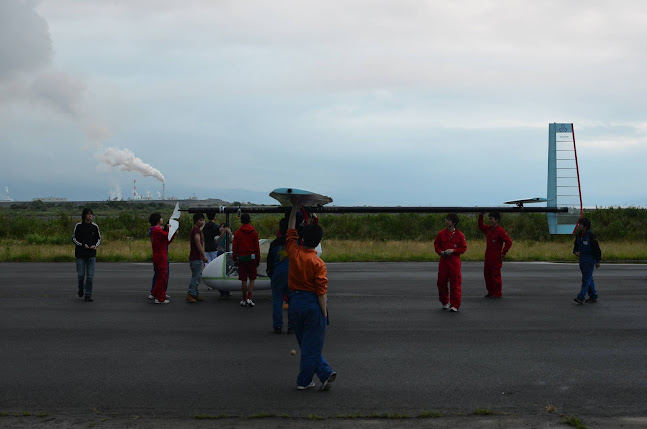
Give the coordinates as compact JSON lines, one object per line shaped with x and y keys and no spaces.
{"x":371,"y":102}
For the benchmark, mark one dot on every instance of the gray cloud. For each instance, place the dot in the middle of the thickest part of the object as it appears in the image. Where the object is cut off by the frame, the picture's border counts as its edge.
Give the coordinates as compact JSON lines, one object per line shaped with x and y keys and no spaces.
{"x":25,"y":70}
{"x":25,"y":43}
{"x":360,"y":80}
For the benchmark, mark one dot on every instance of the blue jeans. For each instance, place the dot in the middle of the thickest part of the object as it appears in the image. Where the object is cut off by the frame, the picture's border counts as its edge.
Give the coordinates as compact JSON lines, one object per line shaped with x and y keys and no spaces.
{"x":310,"y":329}
{"x":211,"y":255}
{"x":85,"y":273}
{"x":279,"y":284}
{"x":587,"y":265}
{"x":196,"y":276}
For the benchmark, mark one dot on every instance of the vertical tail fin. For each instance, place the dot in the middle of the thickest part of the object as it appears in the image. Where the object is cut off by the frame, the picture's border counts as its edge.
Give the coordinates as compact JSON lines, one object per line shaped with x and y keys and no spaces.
{"x":563,"y":179}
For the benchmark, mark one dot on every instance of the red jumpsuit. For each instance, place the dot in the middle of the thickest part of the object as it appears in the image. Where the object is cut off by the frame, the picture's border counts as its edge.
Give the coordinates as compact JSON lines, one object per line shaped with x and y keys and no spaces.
{"x":498,"y":244}
{"x":246,"y":252}
{"x":159,"y":241}
{"x":449,"y":267}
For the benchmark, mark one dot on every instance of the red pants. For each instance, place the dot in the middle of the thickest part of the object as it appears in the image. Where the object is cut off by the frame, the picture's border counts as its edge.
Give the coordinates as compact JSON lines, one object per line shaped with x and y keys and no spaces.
{"x":492,"y":274}
{"x":161,"y":268}
{"x":449,"y":270}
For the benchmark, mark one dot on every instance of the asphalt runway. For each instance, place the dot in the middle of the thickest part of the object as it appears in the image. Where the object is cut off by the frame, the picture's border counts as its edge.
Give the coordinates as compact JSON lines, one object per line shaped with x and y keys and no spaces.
{"x":394,"y":349}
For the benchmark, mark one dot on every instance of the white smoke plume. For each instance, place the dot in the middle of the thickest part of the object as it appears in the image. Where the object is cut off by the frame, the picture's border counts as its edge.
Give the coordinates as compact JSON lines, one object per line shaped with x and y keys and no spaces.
{"x":7,"y":196}
{"x":127,"y":161}
{"x":115,"y":193}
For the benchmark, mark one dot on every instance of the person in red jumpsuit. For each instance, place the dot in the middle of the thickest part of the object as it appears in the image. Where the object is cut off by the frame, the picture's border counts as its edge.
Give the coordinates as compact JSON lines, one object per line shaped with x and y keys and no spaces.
{"x":246,"y":252}
{"x":159,"y":242}
{"x":450,"y":245}
{"x":498,"y":244}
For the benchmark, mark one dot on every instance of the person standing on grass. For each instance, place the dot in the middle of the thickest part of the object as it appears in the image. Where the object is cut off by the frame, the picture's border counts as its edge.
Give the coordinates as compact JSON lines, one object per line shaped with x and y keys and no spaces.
{"x":159,"y":242}
{"x":587,"y":249}
{"x":308,"y":293}
{"x":498,"y":244}
{"x":197,"y":258}
{"x":87,"y":238}
{"x":247,"y":254}
{"x":450,"y":245}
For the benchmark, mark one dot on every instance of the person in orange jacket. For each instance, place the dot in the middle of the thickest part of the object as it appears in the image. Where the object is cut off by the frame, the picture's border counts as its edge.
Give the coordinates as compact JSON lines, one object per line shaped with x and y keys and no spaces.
{"x":498,"y":244}
{"x":450,"y":245}
{"x":246,"y":252}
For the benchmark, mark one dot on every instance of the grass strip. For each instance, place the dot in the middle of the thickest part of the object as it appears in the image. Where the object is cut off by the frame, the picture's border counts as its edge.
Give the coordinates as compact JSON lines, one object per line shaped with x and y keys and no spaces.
{"x":333,"y":251}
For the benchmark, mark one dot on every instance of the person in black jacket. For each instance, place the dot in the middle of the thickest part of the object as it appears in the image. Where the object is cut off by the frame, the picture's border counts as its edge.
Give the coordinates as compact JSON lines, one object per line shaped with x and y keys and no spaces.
{"x":87,"y":238}
{"x":586,"y":248}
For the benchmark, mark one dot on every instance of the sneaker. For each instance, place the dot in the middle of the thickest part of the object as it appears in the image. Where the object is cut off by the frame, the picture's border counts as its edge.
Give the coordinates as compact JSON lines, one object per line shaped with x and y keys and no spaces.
{"x":190,"y":299}
{"x":243,"y":303}
{"x":198,"y":298}
{"x":453,"y":309}
{"x":278,"y":330}
{"x":151,"y":297}
{"x":250,"y":303}
{"x":166,"y":301}
{"x":446,"y":306}
{"x":88,"y":299}
{"x":80,"y":292}
{"x":312,"y":384}
{"x":290,"y":331}
{"x":328,"y":383}
{"x":578,"y":300}
{"x":591,"y":300}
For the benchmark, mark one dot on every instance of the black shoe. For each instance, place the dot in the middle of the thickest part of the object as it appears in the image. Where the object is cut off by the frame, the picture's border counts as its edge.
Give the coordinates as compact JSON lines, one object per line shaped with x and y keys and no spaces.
{"x":278,"y":330}
{"x":88,"y":299}
{"x":591,"y":300}
{"x":290,"y":331}
{"x":489,"y":295}
{"x":578,"y":300}
{"x":80,"y":292}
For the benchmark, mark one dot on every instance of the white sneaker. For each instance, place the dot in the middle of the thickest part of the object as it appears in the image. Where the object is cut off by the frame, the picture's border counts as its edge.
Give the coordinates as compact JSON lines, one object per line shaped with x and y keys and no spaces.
{"x":328,"y":383}
{"x":453,"y":309}
{"x":166,"y":301}
{"x":446,"y":306}
{"x":151,"y":297}
{"x":250,"y":303}
{"x":243,"y":303}
{"x":312,"y":384}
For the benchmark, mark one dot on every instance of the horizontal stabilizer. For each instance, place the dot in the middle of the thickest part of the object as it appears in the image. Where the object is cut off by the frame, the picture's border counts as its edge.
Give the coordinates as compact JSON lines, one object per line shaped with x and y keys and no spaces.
{"x":521,"y":202}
